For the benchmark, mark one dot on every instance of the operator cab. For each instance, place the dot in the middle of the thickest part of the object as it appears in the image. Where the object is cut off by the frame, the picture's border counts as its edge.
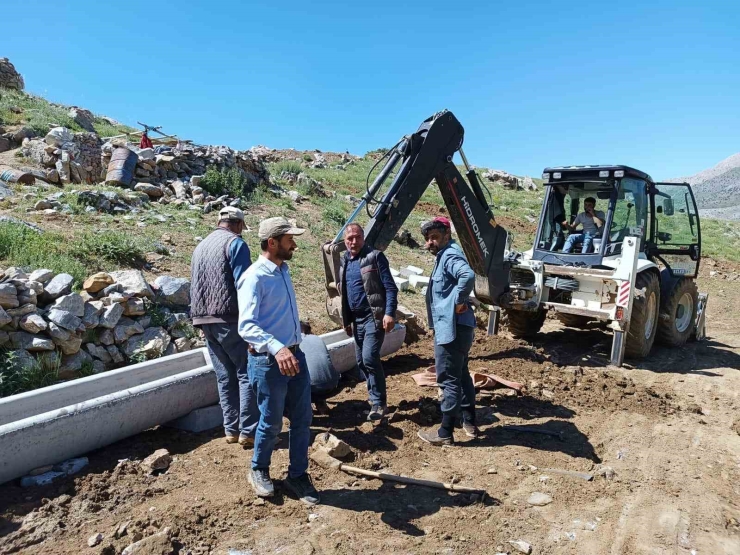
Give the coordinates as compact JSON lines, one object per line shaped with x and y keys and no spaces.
{"x":663,"y":215}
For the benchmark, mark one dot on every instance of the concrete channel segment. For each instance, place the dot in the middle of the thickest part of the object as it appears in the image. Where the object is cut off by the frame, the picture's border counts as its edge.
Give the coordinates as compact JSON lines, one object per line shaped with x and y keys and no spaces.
{"x":55,"y":423}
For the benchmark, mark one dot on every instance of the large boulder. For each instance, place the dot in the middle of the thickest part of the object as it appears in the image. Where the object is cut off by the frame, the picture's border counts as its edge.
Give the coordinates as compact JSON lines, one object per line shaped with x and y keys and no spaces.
{"x":71,"y":364}
{"x":59,"y":137}
{"x":91,"y":318}
{"x":133,"y":283}
{"x":172,"y":291}
{"x":151,"y":190}
{"x":150,"y":344}
{"x":56,"y":287}
{"x":69,"y":346}
{"x":83,"y":118}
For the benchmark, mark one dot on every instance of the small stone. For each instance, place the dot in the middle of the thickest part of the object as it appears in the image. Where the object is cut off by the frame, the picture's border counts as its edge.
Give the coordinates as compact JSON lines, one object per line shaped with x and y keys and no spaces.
{"x":521,"y":546}
{"x":64,"y":319}
{"x":159,"y":460}
{"x":8,"y":295}
{"x":492,"y":470}
{"x":59,"y":285}
{"x":42,"y":276}
{"x":32,"y":323}
{"x":111,"y":315}
{"x":72,"y":303}
{"x":97,"y":282}
{"x":133,"y":283}
{"x":539,"y":499}
{"x":157,"y":544}
{"x":330,"y":443}
{"x":122,"y":529}
{"x":607,"y":472}
{"x":95,"y":539}
{"x":259,"y":502}
{"x":312,"y":517}
{"x":152,"y":343}
{"x":134,"y":307}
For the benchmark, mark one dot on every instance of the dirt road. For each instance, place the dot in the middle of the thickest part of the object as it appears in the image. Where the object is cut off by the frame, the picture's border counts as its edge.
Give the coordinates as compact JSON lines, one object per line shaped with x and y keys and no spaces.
{"x":658,"y":438}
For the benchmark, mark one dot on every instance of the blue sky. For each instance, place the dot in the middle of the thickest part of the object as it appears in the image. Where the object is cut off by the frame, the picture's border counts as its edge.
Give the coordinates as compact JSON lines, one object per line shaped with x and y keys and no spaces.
{"x":651,"y":84}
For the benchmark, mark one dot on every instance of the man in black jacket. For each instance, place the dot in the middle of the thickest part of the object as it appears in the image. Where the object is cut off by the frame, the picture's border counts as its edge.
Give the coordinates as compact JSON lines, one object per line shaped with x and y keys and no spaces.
{"x":369,"y":301}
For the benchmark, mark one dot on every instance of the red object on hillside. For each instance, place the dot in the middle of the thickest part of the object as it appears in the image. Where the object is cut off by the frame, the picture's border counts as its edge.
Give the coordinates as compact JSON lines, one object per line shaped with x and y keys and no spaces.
{"x":146,"y":142}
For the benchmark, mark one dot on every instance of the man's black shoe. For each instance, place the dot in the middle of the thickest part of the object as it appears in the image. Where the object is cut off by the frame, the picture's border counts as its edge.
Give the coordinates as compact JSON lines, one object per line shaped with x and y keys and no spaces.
{"x":261,"y":482}
{"x":302,"y":487}
{"x":432,"y":437}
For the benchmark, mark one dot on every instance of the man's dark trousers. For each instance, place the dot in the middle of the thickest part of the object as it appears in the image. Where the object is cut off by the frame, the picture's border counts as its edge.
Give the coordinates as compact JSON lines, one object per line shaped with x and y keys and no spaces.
{"x":368,"y":341}
{"x":453,"y":376}
{"x":229,"y":354}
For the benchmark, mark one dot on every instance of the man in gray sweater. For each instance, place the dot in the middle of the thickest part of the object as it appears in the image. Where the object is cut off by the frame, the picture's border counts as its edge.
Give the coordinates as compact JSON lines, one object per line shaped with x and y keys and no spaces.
{"x":217,"y":265}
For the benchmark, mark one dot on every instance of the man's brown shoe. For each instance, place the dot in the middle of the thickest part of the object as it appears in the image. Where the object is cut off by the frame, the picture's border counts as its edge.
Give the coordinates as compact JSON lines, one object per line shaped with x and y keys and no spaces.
{"x":232,"y":439}
{"x":471,"y":430}
{"x":246,"y":441}
{"x":432,"y":437}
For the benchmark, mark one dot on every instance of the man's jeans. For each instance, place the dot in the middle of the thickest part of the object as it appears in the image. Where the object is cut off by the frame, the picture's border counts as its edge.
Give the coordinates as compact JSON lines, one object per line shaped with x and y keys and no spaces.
{"x":229,"y":356}
{"x":453,"y":376}
{"x":574,"y":239}
{"x":278,"y":394}
{"x":368,"y":341}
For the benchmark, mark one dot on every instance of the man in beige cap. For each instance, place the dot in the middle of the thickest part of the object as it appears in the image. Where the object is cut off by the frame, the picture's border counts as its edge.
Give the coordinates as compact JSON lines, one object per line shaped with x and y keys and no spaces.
{"x":218,"y":263}
{"x":268,"y":321}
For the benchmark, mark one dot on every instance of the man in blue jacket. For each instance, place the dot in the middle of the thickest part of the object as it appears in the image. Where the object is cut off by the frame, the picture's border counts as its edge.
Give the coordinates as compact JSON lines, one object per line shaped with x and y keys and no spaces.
{"x":369,"y":301}
{"x":450,"y":316}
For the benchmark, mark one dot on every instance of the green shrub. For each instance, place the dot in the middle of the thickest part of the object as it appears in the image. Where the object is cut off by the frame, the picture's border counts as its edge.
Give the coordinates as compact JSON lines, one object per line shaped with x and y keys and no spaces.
{"x":307,"y":157}
{"x":232,"y":181}
{"x":16,"y":378}
{"x":24,"y":247}
{"x":289,"y":166}
{"x":335,"y":214}
{"x":111,"y":246}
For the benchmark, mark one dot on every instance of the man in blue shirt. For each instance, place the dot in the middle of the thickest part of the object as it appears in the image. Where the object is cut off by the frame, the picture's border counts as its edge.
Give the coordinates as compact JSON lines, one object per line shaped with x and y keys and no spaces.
{"x":369,"y":301}
{"x":450,"y":316}
{"x":218,"y":263}
{"x":268,"y":321}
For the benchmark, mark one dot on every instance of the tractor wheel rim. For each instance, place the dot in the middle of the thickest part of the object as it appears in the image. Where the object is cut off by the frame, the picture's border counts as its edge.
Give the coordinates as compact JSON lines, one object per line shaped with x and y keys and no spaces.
{"x":651,"y":310}
{"x":683,"y":313}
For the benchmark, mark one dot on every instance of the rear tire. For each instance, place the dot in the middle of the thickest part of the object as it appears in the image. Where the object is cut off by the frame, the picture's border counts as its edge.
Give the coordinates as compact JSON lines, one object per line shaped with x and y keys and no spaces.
{"x":524,"y":323}
{"x":644,"y":321}
{"x":574,"y":321}
{"x":678,"y":314}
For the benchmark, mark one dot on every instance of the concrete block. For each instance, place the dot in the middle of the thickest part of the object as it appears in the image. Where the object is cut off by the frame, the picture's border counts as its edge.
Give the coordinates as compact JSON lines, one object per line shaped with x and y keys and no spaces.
{"x":395,"y":273}
{"x":401,"y":283}
{"x":417,"y":281}
{"x":199,"y":420}
{"x":411,"y":271}
{"x":342,"y":348}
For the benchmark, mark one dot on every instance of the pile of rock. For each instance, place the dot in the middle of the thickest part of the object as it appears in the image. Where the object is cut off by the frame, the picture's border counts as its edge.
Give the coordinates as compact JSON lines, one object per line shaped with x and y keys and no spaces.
{"x":9,"y":77}
{"x":106,"y":325}
{"x":93,"y":201}
{"x":510,"y":181}
{"x":173,"y":175}
{"x":14,"y":139}
{"x":66,"y":157}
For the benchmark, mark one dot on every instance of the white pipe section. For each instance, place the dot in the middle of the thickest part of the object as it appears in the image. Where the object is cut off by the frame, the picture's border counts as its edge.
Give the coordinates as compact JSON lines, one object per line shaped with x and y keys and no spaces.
{"x":66,"y":420}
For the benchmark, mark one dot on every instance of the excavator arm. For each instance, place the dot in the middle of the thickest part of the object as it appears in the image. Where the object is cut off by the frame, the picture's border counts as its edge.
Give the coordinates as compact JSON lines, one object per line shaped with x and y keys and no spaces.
{"x":423,"y":157}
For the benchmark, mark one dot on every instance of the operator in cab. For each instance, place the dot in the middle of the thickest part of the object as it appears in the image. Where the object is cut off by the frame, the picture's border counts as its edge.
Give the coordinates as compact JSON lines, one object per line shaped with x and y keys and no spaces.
{"x":592,"y":221}
{"x":450,"y":316}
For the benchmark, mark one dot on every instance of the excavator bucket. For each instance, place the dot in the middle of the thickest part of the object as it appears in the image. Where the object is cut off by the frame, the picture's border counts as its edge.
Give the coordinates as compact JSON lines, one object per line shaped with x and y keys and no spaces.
{"x":332,"y":253}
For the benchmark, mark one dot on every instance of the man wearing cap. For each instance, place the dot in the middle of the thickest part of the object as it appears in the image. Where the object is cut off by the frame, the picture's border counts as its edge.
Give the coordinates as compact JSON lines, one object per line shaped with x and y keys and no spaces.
{"x":369,"y":301}
{"x":450,"y":316}
{"x":268,"y":321}
{"x":218,"y":263}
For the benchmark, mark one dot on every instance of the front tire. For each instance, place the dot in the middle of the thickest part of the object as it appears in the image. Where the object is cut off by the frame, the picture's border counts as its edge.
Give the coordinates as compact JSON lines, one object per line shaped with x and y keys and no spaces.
{"x":524,"y":323}
{"x":644,"y":321}
{"x":678,"y":314}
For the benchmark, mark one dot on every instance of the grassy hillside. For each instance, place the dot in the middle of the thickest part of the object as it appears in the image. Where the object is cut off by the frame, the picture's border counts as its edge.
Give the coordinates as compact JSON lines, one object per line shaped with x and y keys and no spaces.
{"x":19,"y":108}
{"x":161,"y":238}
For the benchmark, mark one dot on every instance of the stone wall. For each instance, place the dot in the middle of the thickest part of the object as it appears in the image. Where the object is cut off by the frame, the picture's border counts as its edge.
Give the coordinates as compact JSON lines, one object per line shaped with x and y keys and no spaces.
{"x":117,"y":319}
{"x":9,"y":77}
